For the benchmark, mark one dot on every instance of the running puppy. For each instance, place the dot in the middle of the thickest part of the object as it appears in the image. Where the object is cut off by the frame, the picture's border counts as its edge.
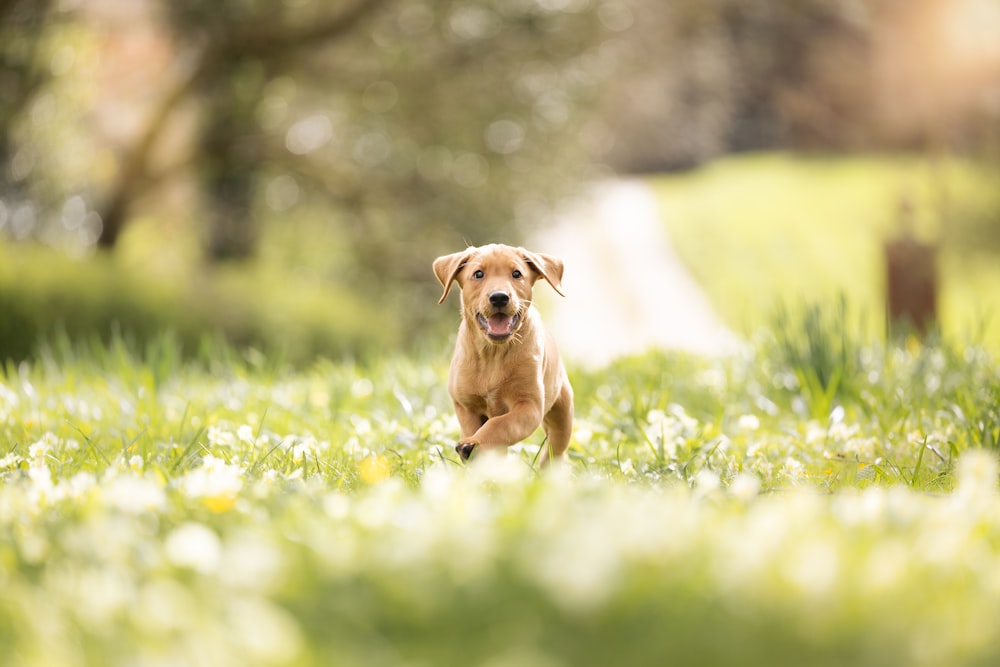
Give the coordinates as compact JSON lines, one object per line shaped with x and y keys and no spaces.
{"x":506,"y":377}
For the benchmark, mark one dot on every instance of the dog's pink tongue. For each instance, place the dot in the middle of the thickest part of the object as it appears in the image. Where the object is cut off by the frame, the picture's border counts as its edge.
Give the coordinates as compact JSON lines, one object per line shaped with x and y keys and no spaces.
{"x":499,"y":324}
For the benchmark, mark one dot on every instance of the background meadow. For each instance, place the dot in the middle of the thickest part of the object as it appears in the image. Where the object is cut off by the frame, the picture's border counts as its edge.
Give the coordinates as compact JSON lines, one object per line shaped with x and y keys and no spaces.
{"x":796,"y":229}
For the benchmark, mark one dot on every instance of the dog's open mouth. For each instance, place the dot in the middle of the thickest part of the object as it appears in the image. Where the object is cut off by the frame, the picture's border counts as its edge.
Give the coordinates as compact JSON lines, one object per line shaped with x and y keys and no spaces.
{"x":498,"y":326}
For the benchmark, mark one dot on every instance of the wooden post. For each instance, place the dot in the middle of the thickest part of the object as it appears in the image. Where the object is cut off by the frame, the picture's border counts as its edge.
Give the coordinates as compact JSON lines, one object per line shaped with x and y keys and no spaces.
{"x":911,"y":280}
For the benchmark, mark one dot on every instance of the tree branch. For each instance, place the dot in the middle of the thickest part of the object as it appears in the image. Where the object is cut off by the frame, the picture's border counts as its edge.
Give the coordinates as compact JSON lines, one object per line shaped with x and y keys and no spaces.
{"x":134,"y":170}
{"x":268,"y":37}
{"x":262,"y":39}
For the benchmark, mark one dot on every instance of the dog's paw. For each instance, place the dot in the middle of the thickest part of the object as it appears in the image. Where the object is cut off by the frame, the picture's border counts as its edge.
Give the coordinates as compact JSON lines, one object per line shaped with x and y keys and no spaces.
{"x":464,"y":449}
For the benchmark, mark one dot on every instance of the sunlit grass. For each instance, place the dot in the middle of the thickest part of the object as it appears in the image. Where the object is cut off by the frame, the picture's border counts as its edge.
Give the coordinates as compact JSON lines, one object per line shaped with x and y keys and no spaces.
{"x":292,"y":315}
{"x":814,"y":501}
{"x":769,"y":229}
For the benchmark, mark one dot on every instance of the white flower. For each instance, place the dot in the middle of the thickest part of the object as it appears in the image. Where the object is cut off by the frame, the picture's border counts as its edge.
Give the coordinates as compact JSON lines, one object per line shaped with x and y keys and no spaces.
{"x":303,"y":449}
{"x":245,"y":434}
{"x":8,"y":397}
{"x":134,"y":495}
{"x":861,"y":448}
{"x":670,"y":429}
{"x":40,"y":474}
{"x":794,"y":469}
{"x":136,"y":463}
{"x":837,"y":415}
{"x":219,"y":437}
{"x":976,"y":475}
{"x":78,"y":485}
{"x":42,"y":489}
{"x":194,"y":546}
{"x":40,"y":449}
{"x":748,"y":423}
{"x":628,"y":468}
{"x":816,"y":433}
{"x":362,"y":388}
{"x":361,"y":425}
{"x":12,"y":460}
{"x":706,"y":482}
{"x":842,"y":431}
{"x":688,"y":423}
{"x":745,"y":487}
{"x":216,"y":482}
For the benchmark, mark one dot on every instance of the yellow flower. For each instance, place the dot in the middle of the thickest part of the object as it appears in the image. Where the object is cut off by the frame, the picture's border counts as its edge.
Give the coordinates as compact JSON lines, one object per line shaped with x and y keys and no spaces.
{"x":216,"y":483}
{"x":220,"y":503}
{"x":374,"y":469}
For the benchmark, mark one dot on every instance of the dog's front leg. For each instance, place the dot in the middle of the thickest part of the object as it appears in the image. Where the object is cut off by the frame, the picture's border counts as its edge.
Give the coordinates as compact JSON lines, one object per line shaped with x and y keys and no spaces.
{"x":503,"y":430}
{"x":469,"y":420}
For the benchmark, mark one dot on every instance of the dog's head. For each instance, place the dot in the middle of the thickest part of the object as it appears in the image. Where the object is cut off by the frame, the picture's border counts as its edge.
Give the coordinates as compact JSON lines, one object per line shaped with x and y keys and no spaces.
{"x":496,"y":282}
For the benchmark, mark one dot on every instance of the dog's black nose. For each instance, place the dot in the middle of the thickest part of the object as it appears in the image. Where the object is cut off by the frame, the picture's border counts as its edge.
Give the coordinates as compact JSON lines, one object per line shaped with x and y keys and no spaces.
{"x":499,"y":299}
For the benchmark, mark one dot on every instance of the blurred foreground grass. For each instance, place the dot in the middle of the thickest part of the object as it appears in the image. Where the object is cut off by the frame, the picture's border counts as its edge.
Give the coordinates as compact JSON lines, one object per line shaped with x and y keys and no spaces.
{"x":767,"y":229}
{"x":821,"y":504}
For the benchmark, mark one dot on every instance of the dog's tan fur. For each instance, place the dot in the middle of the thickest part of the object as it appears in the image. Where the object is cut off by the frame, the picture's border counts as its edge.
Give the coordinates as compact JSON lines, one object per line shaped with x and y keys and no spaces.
{"x":506,"y":377}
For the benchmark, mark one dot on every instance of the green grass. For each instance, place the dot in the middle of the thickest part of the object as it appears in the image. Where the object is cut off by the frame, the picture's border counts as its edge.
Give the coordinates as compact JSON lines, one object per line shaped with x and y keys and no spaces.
{"x":808,"y":501}
{"x":44,"y":293}
{"x":768,"y":229}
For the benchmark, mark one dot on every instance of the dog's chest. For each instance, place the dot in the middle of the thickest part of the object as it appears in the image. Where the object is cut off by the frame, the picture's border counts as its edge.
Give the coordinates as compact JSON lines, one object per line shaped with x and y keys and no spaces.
{"x":481,"y":389}
{"x":492,"y":388}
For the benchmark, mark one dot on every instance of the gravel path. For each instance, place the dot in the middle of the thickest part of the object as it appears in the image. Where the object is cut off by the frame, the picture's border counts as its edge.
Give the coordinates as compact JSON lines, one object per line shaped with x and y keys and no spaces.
{"x":626,"y":290}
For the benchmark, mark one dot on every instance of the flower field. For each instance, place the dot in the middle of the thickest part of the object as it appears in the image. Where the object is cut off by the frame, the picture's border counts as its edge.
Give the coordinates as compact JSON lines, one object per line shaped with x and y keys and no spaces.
{"x":800,"y":503}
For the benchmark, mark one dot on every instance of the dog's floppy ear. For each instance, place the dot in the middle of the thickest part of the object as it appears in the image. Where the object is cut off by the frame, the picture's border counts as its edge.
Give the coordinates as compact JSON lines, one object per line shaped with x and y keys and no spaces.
{"x":446,"y":269}
{"x":547,"y":266}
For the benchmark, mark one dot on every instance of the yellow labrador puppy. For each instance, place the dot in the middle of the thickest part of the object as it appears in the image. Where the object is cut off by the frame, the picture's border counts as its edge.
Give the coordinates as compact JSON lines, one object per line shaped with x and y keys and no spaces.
{"x":506,"y":377}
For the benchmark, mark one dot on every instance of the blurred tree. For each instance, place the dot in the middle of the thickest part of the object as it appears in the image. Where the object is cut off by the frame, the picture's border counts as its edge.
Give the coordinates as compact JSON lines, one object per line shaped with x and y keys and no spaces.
{"x":232,"y":43}
{"x":412,"y":125}
{"x":718,"y":76}
{"x":23,"y":73}
{"x":739,"y":75}
{"x":420,"y":125}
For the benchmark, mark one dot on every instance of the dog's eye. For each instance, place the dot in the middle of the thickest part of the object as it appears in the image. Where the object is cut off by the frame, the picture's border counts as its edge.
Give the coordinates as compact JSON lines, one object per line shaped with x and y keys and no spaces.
{"x":478,"y":274}
{"x":516,"y":274}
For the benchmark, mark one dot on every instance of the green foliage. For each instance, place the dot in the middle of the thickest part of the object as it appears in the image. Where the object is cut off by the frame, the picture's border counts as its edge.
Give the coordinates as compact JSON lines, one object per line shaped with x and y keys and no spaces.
{"x":159,"y":508}
{"x":44,"y":295}
{"x":820,"y":352}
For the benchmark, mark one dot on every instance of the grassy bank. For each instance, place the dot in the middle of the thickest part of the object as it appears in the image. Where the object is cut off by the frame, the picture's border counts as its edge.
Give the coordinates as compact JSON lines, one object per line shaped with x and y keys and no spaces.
{"x":45,"y":295}
{"x":762,"y":230}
